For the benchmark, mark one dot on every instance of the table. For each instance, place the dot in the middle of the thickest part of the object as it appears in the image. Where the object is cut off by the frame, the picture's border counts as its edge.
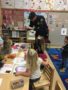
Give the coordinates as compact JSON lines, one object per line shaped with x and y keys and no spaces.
{"x":8,"y":77}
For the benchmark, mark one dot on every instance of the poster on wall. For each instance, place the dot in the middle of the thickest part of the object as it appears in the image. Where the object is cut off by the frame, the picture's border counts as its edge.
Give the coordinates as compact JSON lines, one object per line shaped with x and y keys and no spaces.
{"x":7,"y":16}
{"x":46,"y":4}
{"x":26,"y":20}
{"x":63,"y":31}
{"x":13,"y":18}
{"x":7,"y":3}
{"x":19,"y":4}
{"x":36,"y":4}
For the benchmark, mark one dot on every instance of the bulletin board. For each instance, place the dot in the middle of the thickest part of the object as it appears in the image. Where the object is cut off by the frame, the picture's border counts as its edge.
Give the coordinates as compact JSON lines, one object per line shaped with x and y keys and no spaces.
{"x":46,"y":4}
{"x":36,"y":4}
{"x":14,"y":17}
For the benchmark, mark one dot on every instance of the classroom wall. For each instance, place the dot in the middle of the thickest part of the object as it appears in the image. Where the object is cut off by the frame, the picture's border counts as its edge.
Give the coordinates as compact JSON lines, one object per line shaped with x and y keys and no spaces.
{"x":57,"y":21}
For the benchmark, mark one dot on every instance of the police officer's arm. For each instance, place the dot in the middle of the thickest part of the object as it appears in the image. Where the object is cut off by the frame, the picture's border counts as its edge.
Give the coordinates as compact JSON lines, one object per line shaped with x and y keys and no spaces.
{"x":30,"y":27}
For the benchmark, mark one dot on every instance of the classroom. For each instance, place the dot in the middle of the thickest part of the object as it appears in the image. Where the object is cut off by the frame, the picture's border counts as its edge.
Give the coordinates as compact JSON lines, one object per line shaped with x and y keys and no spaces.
{"x":34,"y":44}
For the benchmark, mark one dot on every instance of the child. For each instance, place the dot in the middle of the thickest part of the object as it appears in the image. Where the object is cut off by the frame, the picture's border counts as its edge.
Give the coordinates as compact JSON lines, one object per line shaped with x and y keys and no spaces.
{"x":64,"y":55}
{"x":2,"y":60}
{"x":7,"y":44}
{"x":33,"y":67}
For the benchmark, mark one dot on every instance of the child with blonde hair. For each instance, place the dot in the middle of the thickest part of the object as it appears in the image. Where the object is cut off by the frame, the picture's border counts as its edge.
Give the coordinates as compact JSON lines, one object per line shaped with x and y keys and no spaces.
{"x":33,"y":67}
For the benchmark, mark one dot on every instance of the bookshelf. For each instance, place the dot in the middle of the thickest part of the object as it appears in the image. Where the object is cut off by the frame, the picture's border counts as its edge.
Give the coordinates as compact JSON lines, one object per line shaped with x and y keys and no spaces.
{"x":16,"y":35}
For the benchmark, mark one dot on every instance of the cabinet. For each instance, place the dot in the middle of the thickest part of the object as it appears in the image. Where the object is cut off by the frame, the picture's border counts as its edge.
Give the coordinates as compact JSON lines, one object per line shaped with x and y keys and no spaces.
{"x":16,"y":35}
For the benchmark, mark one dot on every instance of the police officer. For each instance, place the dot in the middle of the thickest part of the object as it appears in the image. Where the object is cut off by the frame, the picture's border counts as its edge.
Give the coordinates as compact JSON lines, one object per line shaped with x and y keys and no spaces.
{"x":38,"y":23}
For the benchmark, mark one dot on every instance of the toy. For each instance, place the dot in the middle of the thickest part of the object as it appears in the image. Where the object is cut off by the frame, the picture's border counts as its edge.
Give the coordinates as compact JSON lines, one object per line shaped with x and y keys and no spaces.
{"x":17,"y":83}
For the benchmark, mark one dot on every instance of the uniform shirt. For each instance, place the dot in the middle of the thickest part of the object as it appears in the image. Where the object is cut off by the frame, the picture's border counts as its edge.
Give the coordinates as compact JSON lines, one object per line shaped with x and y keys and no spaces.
{"x":65,"y":51}
{"x":40,"y":25}
{"x":36,"y":74}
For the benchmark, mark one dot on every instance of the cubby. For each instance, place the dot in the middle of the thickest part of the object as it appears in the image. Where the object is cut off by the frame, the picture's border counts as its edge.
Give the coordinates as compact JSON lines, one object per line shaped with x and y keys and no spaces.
{"x":16,"y":35}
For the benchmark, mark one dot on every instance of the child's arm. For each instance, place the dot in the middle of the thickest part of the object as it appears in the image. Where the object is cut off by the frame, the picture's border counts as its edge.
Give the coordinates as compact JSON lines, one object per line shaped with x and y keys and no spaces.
{"x":27,"y":73}
{"x":45,"y":62}
{"x":56,"y":57}
{"x":28,"y":27}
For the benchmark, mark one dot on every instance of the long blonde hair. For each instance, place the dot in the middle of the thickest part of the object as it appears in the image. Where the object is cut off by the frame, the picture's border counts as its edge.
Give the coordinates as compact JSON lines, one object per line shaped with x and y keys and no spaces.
{"x":32,"y":58}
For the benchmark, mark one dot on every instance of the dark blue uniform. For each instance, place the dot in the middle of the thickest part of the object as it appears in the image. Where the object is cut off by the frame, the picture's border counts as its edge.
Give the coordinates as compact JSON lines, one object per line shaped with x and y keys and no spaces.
{"x":40,"y":26}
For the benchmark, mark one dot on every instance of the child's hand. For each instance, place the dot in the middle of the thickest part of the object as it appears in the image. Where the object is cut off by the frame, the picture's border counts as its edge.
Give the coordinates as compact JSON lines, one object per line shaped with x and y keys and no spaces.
{"x":47,"y":63}
{"x":17,"y":74}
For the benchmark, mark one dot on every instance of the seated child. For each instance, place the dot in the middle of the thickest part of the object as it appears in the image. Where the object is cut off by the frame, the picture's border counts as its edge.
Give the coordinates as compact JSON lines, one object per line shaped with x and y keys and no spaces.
{"x":33,"y":67}
{"x":64,"y":64}
{"x":2,"y":60}
{"x":7,"y":44}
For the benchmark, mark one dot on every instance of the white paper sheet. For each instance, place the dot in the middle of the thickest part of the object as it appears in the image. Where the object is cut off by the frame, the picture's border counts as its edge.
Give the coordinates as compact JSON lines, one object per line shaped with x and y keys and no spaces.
{"x":19,"y":4}
{"x":19,"y":61}
{"x":19,"y":68}
{"x":7,"y":3}
{"x":15,"y":34}
{"x":32,"y":33}
{"x":6,"y":67}
{"x":63,"y":31}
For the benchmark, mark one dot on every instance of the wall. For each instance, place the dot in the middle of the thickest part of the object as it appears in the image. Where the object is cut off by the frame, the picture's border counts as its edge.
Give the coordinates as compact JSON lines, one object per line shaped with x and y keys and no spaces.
{"x":54,"y":11}
{"x":56,"y":22}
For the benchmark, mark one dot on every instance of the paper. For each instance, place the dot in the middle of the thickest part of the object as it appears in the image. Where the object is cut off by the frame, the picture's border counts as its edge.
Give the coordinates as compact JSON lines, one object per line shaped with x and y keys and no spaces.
{"x":14,"y":50}
{"x":19,"y":68}
{"x":31,"y":35}
{"x":15,"y":34}
{"x":58,"y":4}
{"x":6,"y":67}
{"x":63,"y":31}
{"x":7,"y":3}
{"x":19,"y":61}
{"x":19,"y":4}
{"x":26,"y":4}
{"x":1,"y":81}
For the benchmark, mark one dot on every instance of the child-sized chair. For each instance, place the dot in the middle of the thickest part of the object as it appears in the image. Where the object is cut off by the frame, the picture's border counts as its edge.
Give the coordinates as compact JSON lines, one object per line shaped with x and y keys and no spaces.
{"x":46,"y":80}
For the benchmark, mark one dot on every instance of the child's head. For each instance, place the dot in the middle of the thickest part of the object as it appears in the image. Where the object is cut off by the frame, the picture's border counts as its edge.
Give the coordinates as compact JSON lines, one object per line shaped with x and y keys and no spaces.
{"x":66,"y":40}
{"x":32,"y":58}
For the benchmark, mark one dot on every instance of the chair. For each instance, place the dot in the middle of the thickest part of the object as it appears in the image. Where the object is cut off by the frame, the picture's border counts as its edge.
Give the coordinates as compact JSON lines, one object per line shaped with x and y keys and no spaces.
{"x":46,"y":80}
{"x":57,"y":86}
{"x":47,"y":43}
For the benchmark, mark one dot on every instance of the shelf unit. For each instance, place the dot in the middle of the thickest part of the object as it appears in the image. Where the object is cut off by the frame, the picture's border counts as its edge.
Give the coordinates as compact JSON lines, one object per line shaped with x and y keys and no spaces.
{"x":16,"y":35}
